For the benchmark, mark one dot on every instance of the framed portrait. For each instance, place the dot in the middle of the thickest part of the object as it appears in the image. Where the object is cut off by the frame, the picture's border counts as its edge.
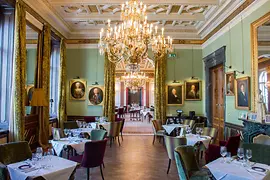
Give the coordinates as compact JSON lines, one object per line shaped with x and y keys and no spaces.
{"x":95,"y":95}
{"x":77,"y":89}
{"x":242,"y":93}
{"x":175,"y":95}
{"x":193,"y":90}
{"x":29,"y":93}
{"x":229,"y":80}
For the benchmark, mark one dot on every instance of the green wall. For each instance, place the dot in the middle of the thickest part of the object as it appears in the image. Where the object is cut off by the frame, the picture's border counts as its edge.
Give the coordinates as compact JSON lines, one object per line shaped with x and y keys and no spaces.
{"x":83,"y":63}
{"x":31,"y":59}
{"x":236,"y":54}
{"x":183,"y":72}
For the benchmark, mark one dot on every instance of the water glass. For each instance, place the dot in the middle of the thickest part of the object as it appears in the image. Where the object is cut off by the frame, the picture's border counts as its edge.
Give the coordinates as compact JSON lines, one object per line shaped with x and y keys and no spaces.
{"x":248,"y":155}
{"x":197,"y":130}
{"x":240,"y":153}
{"x":39,"y":152}
{"x":229,"y":157}
{"x":201,"y":131}
{"x":223,"y":152}
{"x":66,"y":132}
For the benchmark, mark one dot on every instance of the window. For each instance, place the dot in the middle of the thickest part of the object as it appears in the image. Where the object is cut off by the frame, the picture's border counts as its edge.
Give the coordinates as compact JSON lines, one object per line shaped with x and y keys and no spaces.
{"x":262,"y":87}
{"x":6,"y":64}
{"x":54,"y":80}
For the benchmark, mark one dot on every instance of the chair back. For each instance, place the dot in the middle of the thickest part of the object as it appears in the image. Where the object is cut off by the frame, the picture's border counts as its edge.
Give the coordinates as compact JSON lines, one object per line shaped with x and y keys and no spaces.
{"x":185,"y":161}
{"x":114,"y":129}
{"x":57,"y":133}
{"x":157,"y":125}
{"x":199,"y":125}
{"x":121,"y":111}
{"x":70,"y":125}
{"x":260,"y":152}
{"x":212,"y":132}
{"x":189,"y":122}
{"x":233,"y":144}
{"x":98,"y":134}
{"x":172,"y":142}
{"x":14,"y":152}
{"x":89,"y":119}
{"x":262,"y":139}
{"x":93,"y":153}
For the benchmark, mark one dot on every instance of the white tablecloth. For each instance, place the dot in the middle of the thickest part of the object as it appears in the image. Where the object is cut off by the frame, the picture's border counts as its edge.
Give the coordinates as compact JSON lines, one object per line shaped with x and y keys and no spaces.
{"x":76,"y":143}
{"x":235,"y":170}
{"x":81,"y":130}
{"x":192,"y":139}
{"x":170,"y":127}
{"x":55,"y":168}
{"x":105,"y":125}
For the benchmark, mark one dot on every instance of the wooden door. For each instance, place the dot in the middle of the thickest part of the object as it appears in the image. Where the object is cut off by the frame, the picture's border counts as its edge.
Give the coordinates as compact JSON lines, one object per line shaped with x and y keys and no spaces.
{"x":217,"y":78}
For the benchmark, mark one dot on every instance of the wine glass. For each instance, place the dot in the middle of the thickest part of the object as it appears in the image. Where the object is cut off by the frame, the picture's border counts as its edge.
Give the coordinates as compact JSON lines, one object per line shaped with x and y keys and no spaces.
{"x":39,"y":152}
{"x":201,"y":131}
{"x":66,"y":132}
{"x":223,"y":152}
{"x":197,"y":130}
{"x":249,"y":155}
{"x":240,"y":153}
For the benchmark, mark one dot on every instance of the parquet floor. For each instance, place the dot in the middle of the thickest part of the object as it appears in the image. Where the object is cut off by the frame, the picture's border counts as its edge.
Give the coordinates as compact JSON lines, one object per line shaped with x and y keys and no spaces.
{"x":135,"y":159}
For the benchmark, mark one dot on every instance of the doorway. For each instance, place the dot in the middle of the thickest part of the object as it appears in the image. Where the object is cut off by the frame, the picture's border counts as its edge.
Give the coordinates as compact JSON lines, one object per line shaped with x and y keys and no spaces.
{"x":217,"y":91}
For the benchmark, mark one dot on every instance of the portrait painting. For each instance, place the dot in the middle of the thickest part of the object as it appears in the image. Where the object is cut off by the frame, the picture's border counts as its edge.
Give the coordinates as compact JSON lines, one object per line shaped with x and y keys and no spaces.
{"x":193,"y":90}
{"x":175,"y":95}
{"x":29,"y":93}
{"x":77,"y":89}
{"x":95,"y":95}
{"x":229,"y":79}
{"x":242,"y":93}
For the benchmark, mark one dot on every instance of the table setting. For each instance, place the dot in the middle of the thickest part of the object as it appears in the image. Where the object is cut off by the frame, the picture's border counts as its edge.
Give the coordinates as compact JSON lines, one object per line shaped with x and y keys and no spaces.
{"x":49,"y":167}
{"x":169,"y":128}
{"x":237,"y":167}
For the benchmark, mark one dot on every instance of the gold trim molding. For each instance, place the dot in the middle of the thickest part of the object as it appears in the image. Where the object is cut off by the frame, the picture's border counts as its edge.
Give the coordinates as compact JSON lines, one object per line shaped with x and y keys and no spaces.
{"x":254,"y":56}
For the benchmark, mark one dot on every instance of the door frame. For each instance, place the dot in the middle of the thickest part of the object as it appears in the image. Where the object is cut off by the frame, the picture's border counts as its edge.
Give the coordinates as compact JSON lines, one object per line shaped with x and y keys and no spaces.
{"x":214,"y":59}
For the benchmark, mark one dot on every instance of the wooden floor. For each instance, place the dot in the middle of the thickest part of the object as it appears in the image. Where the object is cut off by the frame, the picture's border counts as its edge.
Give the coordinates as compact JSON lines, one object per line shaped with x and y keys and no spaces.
{"x":136,"y":159}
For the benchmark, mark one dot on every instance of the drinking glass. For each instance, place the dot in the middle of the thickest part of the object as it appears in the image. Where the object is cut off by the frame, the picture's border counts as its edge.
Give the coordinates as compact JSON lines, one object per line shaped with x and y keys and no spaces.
{"x":39,"y":152}
{"x":197,"y":130}
{"x":240,"y":153}
{"x":248,"y":155}
{"x":201,"y":131}
{"x":229,"y":157}
{"x":66,"y":132}
{"x":223,"y":152}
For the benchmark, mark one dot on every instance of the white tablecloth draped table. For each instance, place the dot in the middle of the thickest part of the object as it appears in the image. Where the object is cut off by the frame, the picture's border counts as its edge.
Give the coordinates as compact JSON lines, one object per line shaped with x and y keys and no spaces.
{"x":49,"y":167}
{"x":235,"y":170}
{"x":74,"y":142}
{"x":192,"y":139}
{"x":105,"y":125}
{"x":170,"y":127}
{"x":81,"y":130}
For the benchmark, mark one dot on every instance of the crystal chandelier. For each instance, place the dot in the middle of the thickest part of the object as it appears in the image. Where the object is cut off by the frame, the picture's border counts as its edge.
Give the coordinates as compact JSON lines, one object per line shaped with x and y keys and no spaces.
{"x":130,"y":39}
{"x":134,"y":80}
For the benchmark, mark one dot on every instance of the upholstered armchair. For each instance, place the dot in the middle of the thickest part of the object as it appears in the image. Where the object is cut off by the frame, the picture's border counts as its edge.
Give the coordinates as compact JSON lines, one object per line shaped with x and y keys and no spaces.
{"x":114,"y":131}
{"x":98,"y":134}
{"x":187,"y":166}
{"x":211,"y":132}
{"x":171,"y":143}
{"x":189,"y":122}
{"x":213,"y":151}
{"x":260,"y":152}
{"x":158,"y":130}
{"x":12,"y":153}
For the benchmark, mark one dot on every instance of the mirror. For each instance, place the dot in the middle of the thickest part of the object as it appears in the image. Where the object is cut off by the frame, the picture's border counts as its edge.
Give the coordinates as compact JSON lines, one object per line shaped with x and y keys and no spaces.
{"x":260,"y":31}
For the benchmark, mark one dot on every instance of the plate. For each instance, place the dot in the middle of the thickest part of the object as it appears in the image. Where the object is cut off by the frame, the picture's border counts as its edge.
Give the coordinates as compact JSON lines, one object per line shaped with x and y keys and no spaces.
{"x":25,"y":166}
{"x":259,"y":169}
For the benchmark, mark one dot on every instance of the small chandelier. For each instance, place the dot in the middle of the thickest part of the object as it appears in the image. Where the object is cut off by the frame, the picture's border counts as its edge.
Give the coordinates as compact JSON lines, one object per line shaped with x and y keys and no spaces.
{"x":134,"y":80}
{"x":130,"y":39}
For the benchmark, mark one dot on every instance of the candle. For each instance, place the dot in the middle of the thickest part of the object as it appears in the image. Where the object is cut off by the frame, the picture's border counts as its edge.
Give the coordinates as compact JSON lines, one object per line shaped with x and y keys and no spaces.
{"x":156,"y":29}
{"x":109,"y":22}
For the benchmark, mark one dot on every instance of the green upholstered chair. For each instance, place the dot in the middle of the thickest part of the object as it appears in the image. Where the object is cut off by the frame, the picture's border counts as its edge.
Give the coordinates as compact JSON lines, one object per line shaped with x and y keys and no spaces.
{"x":211,"y":132}
{"x":199,"y":125}
{"x":187,"y":166}
{"x":12,"y":153}
{"x":98,"y":134}
{"x":158,"y":130}
{"x":189,"y":122}
{"x":260,"y":152}
{"x":171,"y":143}
{"x":114,"y":131}
{"x":70,"y":125}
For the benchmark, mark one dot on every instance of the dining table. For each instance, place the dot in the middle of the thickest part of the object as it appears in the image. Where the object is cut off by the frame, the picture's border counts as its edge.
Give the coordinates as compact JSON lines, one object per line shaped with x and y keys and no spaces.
{"x":192,"y":139}
{"x":230,"y":169}
{"x":170,"y":127}
{"x":48,"y":167}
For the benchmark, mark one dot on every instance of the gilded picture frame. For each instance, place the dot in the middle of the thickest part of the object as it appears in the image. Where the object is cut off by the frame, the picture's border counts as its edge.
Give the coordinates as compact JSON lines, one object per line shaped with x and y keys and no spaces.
{"x":95,"y":95}
{"x":229,"y":84}
{"x":193,"y":90}
{"x":175,"y":94}
{"x":77,"y":89}
{"x":242,"y":93}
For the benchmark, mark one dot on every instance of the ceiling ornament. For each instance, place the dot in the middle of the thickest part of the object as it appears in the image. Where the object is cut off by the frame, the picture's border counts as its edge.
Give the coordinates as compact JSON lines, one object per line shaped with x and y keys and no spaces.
{"x":129,"y":40}
{"x":134,"y":80}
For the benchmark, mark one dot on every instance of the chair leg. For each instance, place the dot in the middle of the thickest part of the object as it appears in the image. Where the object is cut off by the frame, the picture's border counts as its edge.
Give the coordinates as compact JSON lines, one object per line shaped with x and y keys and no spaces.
{"x":103,"y":165}
{"x":122,"y":136}
{"x":87,"y":173}
{"x":169,"y":165}
{"x":110,"y":142}
{"x":118,"y":140}
{"x":101,"y":173}
{"x":154,"y":138}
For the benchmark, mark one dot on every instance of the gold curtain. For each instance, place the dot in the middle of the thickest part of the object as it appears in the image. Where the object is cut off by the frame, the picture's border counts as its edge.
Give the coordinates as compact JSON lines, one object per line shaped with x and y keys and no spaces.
{"x":19,"y":72}
{"x":62,"y":116}
{"x":109,"y":85}
{"x":45,"y":79}
{"x":160,"y":87}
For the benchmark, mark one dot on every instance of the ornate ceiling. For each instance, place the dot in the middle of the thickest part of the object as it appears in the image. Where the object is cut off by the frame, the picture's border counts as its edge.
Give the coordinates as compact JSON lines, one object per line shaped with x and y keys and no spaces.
{"x":182,"y":19}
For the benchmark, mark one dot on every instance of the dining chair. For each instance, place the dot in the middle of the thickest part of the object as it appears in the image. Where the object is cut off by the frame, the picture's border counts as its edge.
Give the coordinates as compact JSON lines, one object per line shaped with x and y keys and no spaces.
{"x":114,"y":131}
{"x":97,"y":134}
{"x":189,"y":122}
{"x":171,"y":143}
{"x":57,"y":133}
{"x":187,"y":166}
{"x":199,"y":125}
{"x":89,"y":119}
{"x":70,"y":125}
{"x":158,"y":130}
{"x":121,"y":128}
{"x":121,"y":112}
{"x":211,"y":132}
{"x":260,"y":152}
{"x":12,"y":153}
{"x":213,"y":151}
{"x":262,"y":139}
{"x":93,"y":156}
